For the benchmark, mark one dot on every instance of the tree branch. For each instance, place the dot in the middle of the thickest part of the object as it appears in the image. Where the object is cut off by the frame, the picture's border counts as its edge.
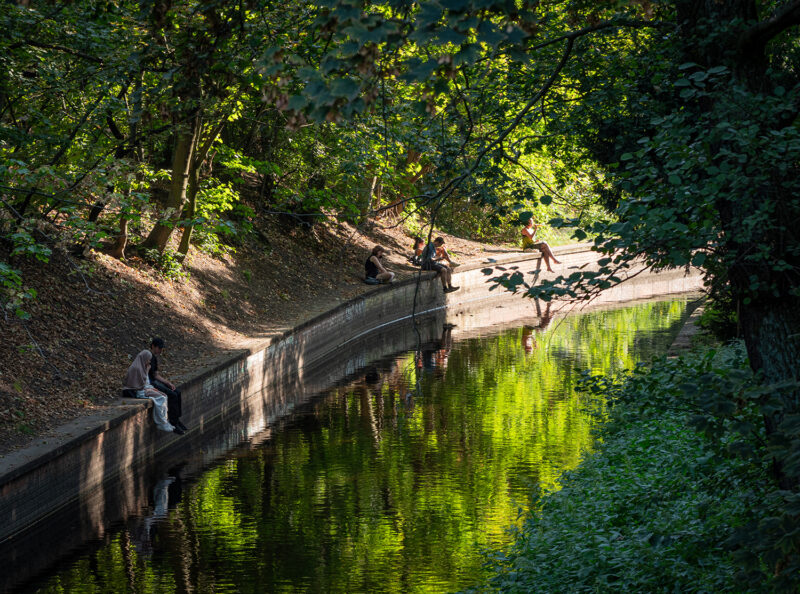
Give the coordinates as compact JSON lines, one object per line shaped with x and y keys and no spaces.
{"x":783,"y":18}
{"x":573,"y":35}
{"x":60,"y":48}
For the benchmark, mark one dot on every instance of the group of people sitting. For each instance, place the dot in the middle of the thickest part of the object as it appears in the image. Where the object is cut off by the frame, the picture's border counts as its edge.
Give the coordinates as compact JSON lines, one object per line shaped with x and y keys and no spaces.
{"x":434,"y":255}
{"x":428,"y":257}
{"x":143,"y":380}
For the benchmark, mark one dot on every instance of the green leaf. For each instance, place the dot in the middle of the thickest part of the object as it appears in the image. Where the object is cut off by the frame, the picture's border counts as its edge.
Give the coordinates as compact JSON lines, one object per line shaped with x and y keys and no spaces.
{"x":345,"y":87}
{"x":455,"y":5}
{"x":468,"y":54}
{"x":420,"y":72}
{"x":298,"y":102}
{"x":448,"y":35}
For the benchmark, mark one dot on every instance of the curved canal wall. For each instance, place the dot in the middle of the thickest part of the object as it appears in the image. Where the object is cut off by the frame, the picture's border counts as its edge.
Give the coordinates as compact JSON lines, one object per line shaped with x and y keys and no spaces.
{"x":85,"y":465}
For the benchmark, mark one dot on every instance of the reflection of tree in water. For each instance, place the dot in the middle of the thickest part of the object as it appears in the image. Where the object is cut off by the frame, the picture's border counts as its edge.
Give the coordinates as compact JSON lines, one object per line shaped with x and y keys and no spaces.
{"x":388,"y":391}
{"x":380,"y":487}
{"x":383,"y":391}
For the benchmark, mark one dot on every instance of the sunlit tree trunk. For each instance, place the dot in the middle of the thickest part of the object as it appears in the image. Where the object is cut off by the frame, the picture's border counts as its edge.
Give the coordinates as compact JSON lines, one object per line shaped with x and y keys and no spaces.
{"x":368,"y":201}
{"x":199,"y":157}
{"x":121,"y":242}
{"x":189,"y":212}
{"x":181,"y":170}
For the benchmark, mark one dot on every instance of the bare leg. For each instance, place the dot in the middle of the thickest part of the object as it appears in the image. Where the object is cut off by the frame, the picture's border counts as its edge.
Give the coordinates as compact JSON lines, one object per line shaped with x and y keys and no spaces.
{"x":550,"y":253}
{"x":546,"y":262}
{"x":547,"y":255}
{"x":385,"y":277}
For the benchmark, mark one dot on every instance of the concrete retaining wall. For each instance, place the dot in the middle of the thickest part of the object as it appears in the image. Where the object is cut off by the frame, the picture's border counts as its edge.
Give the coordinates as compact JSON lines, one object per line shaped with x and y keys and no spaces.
{"x":79,"y":463}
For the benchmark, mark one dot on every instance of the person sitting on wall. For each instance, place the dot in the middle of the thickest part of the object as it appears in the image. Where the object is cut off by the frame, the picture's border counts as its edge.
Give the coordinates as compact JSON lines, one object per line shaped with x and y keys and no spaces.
{"x":137,"y":385}
{"x":376,"y":273}
{"x":430,"y":261}
{"x":443,"y":254}
{"x":164,"y":386}
{"x":529,"y":242}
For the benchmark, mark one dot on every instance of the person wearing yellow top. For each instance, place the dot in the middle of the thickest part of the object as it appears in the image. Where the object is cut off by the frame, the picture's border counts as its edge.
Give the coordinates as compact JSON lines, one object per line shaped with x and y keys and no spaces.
{"x":529,"y":242}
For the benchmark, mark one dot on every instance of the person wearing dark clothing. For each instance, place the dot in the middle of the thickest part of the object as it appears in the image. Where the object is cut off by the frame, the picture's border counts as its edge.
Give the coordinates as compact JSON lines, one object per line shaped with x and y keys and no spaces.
{"x":430,"y":261}
{"x":375,"y":271}
{"x":162,"y":384}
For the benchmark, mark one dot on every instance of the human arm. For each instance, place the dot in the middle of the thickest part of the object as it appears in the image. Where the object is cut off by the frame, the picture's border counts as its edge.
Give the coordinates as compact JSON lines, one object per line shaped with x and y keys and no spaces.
{"x":377,"y":261}
{"x":163,"y":380}
{"x":442,"y":254}
{"x":530,"y":232}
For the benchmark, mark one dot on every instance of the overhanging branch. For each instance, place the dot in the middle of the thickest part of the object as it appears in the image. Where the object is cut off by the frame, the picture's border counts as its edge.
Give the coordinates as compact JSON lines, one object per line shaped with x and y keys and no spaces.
{"x":760,"y":34}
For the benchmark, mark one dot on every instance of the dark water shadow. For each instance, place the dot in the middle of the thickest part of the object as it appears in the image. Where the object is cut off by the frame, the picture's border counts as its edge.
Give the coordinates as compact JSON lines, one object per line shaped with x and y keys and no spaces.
{"x":87,"y":522}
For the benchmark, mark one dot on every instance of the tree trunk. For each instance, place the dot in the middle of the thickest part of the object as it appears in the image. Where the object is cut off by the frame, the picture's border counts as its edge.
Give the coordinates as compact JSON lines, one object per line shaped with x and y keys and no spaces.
{"x":200,"y":155}
{"x":773,"y":342}
{"x":181,"y":166}
{"x":772,"y":336}
{"x":367,"y":208}
{"x":118,"y":250}
{"x":191,"y":208}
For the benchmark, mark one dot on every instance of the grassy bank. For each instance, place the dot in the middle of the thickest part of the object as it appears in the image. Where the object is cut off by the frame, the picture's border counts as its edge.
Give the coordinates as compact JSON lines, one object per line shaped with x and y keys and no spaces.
{"x":677,"y":497}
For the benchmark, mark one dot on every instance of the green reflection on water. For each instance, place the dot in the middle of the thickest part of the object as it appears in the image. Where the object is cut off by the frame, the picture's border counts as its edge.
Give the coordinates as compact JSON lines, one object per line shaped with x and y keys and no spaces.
{"x":383,"y":487}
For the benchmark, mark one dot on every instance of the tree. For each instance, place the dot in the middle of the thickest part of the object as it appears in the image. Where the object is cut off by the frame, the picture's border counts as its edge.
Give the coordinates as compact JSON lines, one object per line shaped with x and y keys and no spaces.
{"x":689,"y":109}
{"x":696,"y":124}
{"x":689,"y":106}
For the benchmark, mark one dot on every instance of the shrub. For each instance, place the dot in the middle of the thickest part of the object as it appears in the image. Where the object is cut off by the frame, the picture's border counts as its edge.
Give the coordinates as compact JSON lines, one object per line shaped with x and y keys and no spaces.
{"x":167,"y":263}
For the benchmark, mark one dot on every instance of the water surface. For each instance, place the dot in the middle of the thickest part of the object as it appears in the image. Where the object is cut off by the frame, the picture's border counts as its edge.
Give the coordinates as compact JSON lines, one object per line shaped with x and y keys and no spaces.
{"x":397,"y":480}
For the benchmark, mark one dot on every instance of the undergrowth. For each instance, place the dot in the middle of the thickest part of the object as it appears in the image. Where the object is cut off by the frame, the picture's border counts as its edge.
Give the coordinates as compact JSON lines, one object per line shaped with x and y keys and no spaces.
{"x":677,"y":497}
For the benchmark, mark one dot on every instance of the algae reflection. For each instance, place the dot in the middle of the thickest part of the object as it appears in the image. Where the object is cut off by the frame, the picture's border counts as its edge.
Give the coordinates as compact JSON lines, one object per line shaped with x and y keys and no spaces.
{"x":380,"y":486}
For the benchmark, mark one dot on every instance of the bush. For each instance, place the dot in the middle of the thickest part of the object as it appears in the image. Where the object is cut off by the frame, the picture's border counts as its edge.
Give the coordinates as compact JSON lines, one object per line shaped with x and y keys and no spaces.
{"x":720,"y":319}
{"x":167,"y":263}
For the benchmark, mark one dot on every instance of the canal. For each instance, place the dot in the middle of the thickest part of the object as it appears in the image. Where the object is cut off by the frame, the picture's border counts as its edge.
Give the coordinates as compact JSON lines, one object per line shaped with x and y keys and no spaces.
{"x":401,"y":477}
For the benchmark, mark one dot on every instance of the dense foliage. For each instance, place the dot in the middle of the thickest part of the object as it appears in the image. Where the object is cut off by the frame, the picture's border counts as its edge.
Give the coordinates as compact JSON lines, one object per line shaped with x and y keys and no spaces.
{"x":687,"y":110}
{"x":682,"y":114}
{"x":150,"y":127}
